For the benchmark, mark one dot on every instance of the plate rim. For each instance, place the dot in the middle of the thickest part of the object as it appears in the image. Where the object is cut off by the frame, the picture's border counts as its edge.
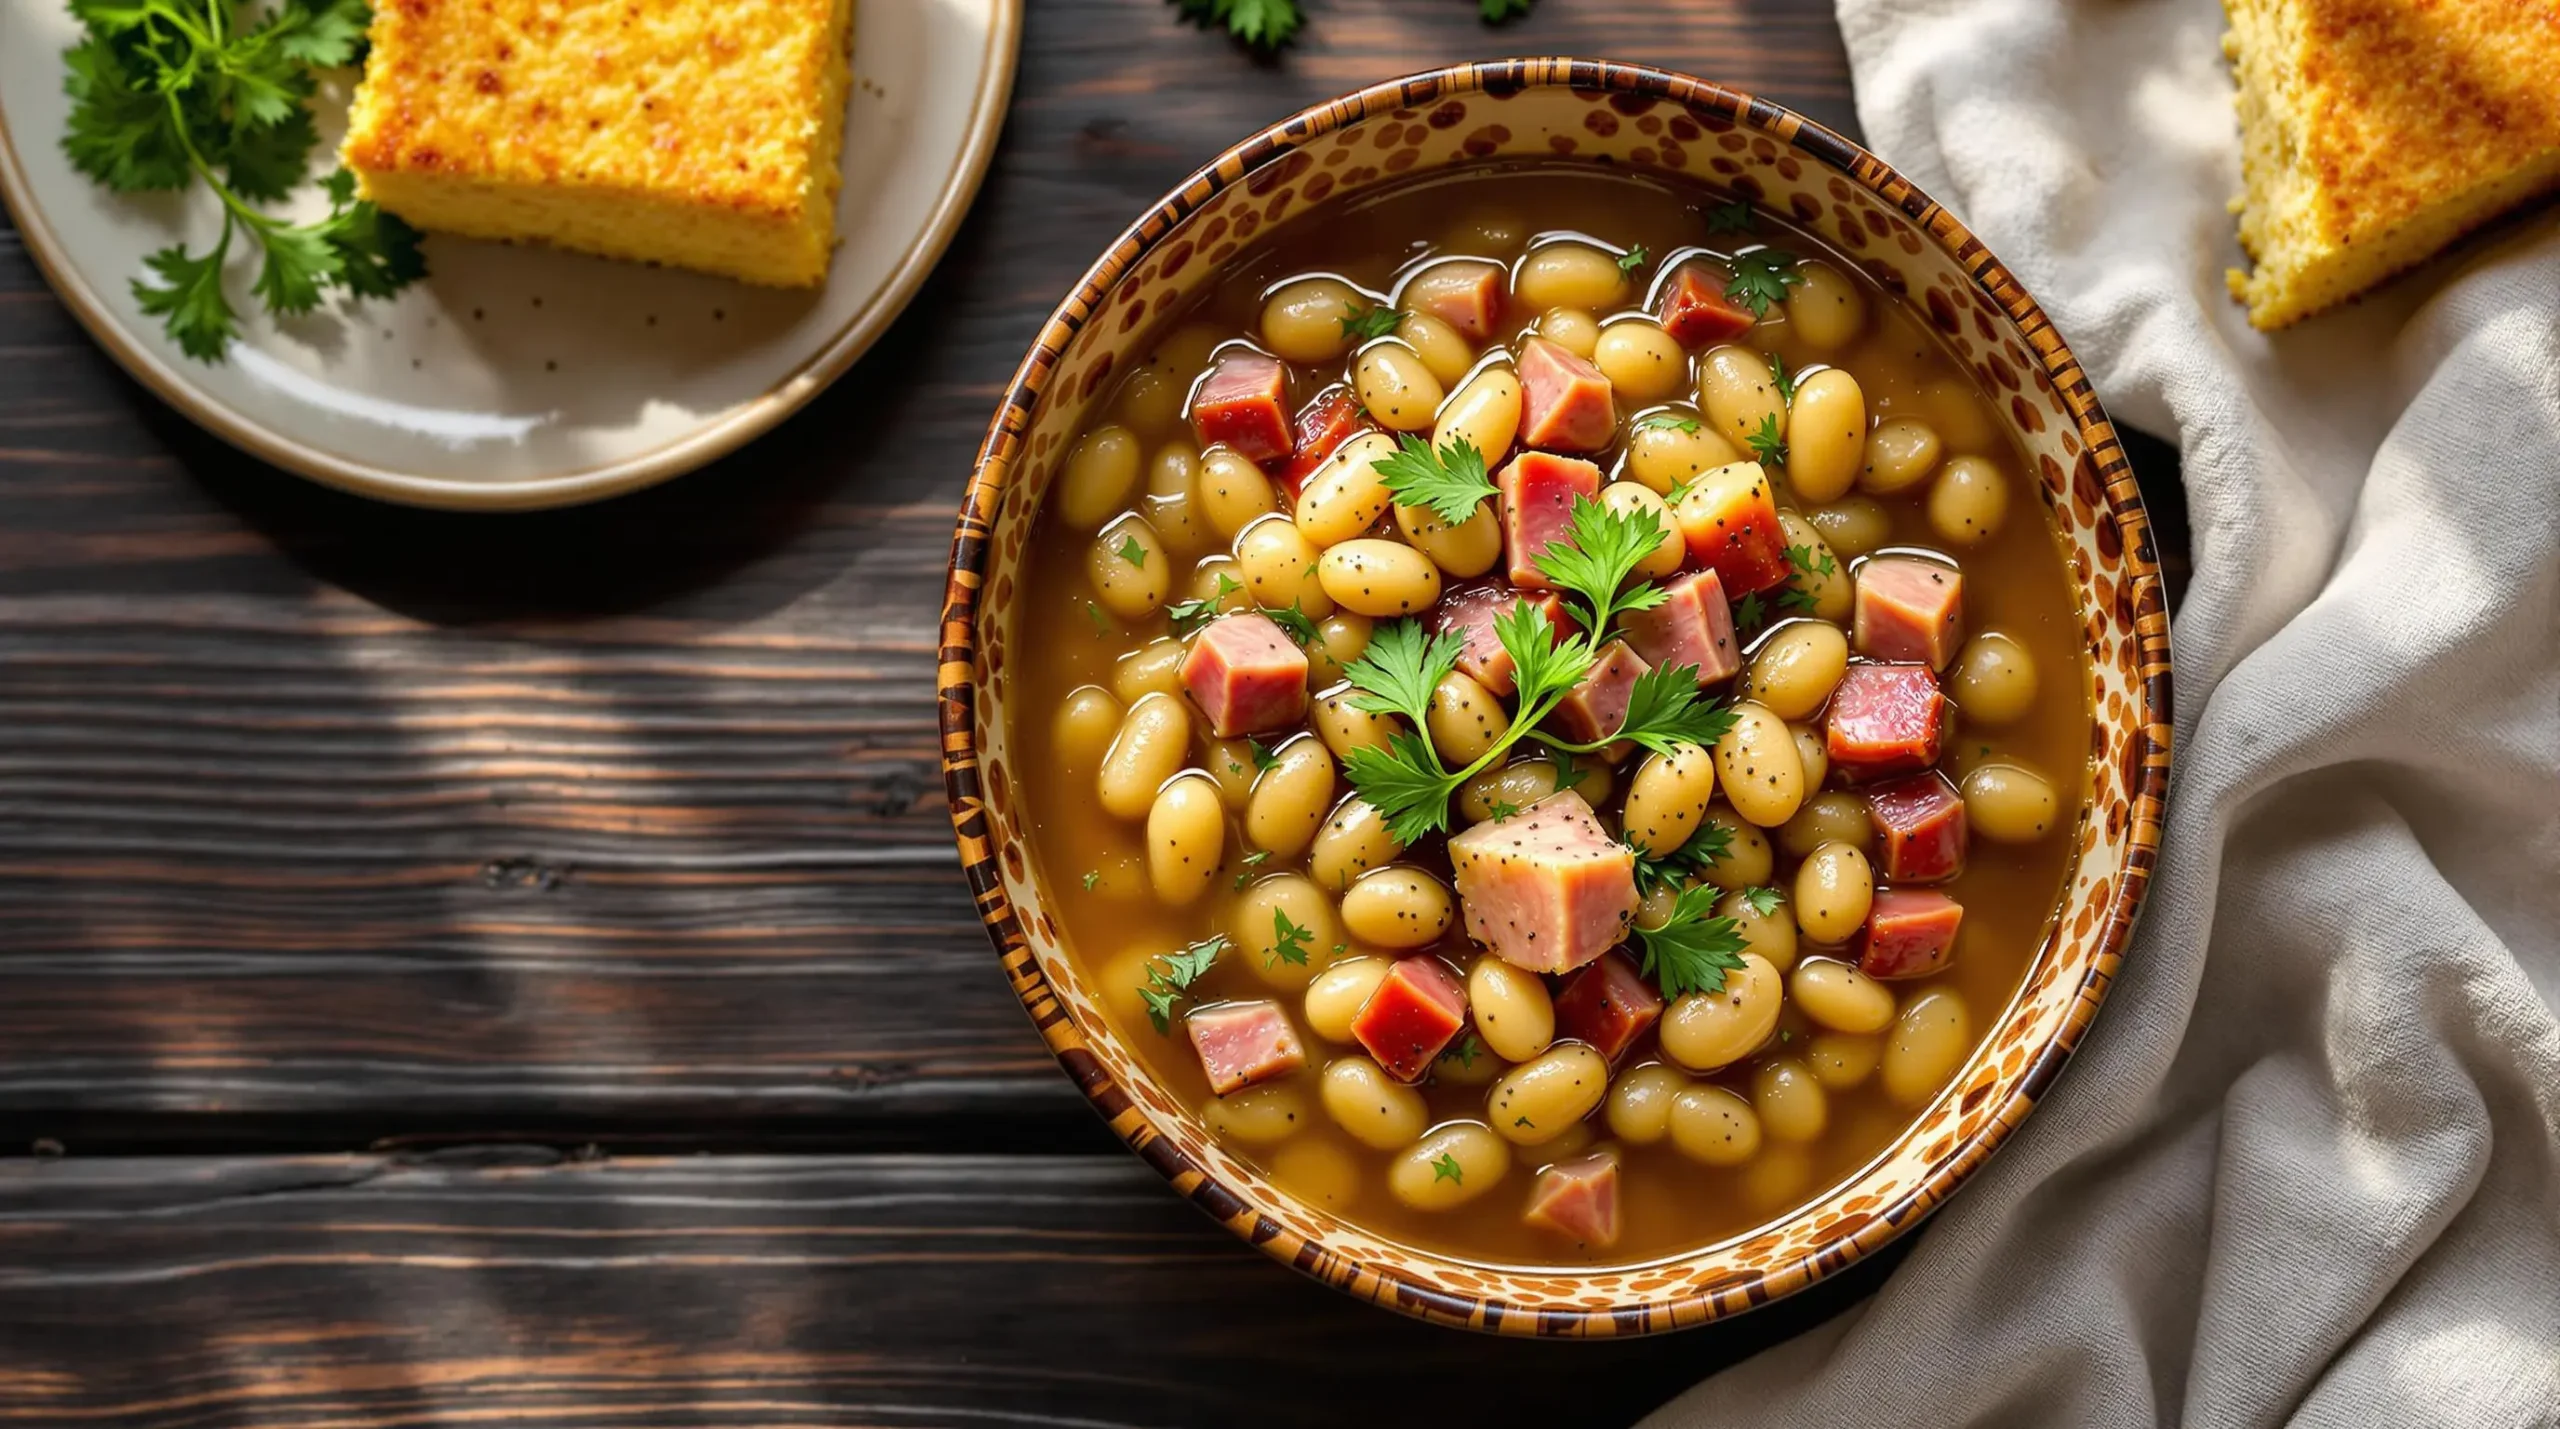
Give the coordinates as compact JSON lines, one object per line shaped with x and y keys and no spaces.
{"x":664,"y":462}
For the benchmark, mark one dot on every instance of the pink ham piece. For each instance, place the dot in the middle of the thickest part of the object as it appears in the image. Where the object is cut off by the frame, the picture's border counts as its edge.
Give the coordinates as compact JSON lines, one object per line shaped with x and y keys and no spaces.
{"x":1911,"y":932}
{"x":1578,"y":1198}
{"x":1244,"y":402}
{"x":1409,"y":1020}
{"x":1729,"y":517}
{"x":1469,"y":613}
{"x":1595,"y":708}
{"x":1546,"y":889}
{"x":1565,"y":404}
{"x":1885,"y":719}
{"x":1537,"y":493}
{"x":1920,"y":823}
{"x":1694,"y":310}
{"x":1607,"y":1004}
{"x":1692,"y":626}
{"x":1241,"y":1043}
{"x":1245,"y":675}
{"x":1908,"y":609}
{"x":1333,"y":418}
{"x":1466,"y":295}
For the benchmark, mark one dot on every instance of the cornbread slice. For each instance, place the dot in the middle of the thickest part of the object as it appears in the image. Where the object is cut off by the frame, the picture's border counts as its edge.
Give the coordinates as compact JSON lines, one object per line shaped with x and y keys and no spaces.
{"x":697,"y":133}
{"x":2375,"y":132}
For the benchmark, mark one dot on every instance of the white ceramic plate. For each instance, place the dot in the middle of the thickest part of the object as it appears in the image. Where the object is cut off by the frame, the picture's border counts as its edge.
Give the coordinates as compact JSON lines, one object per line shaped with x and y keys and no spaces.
{"x":521,"y":377}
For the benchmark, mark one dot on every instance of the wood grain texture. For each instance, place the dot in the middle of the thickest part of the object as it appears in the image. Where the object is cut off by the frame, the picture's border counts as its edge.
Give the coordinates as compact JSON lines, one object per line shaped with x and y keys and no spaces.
{"x":743,"y":1291}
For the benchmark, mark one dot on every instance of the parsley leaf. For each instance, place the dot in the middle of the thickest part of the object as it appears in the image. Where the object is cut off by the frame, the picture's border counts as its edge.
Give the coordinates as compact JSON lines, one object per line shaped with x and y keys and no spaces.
{"x":1289,"y":941}
{"x":188,"y":299}
{"x":1445,"y":1167}
{"x":1405,"y":782}
{"x":122,"y":131}
{"x":1691,"y":949}
{"x":1293,"y":622}
{"x":1189,"y":615}
{"x":1264,"y":756}
{"x":1252,"y":861}
{"x":1451,"y":482}
{"x":1763,"y":899}
{"x":1497,"y":11}
{"x":1748,"y":616}
{"x":1710,"y":844}
{"x":1633,"y":259}
{"x":1502,"y":809}
{"x":1092,"y":876}
{"x":1761,"y":277}
{"x":1798,"y":593}
{"x":1170,"y":976}
{"x":1664,"y":712}
{"x":1767,"y":447}
{"x":1600,"y":551}
{"x":1669,"y":422}
{"x":1263,"y":24}
{"x":1401,"y":667}
{"x":1101,"y":622}
{"x":1785,"y":383}
{"x":1734,"y":217}
{"x":1468,"y":1049}
{"x":1365,"y":324}
{"x":1129,"y":550}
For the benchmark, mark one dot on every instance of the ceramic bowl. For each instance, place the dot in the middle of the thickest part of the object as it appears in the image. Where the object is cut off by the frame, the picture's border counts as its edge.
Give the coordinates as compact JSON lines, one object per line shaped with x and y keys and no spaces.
{"x":1649,"y":121}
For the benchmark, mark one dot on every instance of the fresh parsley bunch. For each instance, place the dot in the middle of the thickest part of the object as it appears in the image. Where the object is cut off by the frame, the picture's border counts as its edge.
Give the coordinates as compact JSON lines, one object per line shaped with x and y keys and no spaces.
{"x":165,"y":93}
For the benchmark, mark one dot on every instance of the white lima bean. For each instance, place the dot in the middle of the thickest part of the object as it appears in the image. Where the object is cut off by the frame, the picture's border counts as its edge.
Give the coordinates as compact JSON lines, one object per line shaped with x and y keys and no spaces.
{"x":1792,"y":1105}
{"x":1085,"y":726}
{"x":1640,"y":360}
{"x":1827,"y":436}
{"x":1354,"y":840}
{"x":1852,"y":525}
{"x":1154,"y":668}
{"x":1344,"y":726}
{"x":1706,"y":1030}
{"x":1186,"y":839}
{"x":1398,"y":908}
{"x":1128,"y":567}
{"x":1256,"y":1116}
{"x":1442,"y":348}
{"x":1233,"y":492}
{"x":1834,"y":887}
{"x":1639,"y":1109}
{"x":1396,"y":386}
{"x":1713,"y":1127}
{"x":1840,"y":997}
{"x":1230,"y":762}
{"x":1151,"y":400}
{"x":1772,"y":935}
{"x":1757,"y":767}
{"x":1306,"y":320}
{"x":1450,"y":1166}
{"x":1738,"y":395}
{"x":1154,"y":739}
{"x":1813,"y":752}
{"x":1468,"y":548}
{"x":1282,"y":926}
{"x":1667,"y":448}
{"x":1379,"y":578}
{"x":1346,"y":495}
{"x":1289,"y":799}
{"x":1842,"y":1061}
{"x":1464,"y":718}
{"x":1537,"y":1101}
{"x":1099,"y":475}
{"x":1513,"y":1013}
{"x":1220,"y":581}
{"x":1957,"y":410}
{"x":1516,"y":785}
{"x":1569,"y":275}
{"x":1484,"y":413}
{"x":1928,"y":1040}
{"x":1834,"y":816}
{"x":1901,"y":452}
{"x":2010,"y":805}
{"x":1994,"y":680}
{"x":1572,"y":329}
{"x":1667,"y":798}
{"x":1340,"y":637}
{"x":1173,"y":479}
{"x":1336,"y":995}
{"x":1968,"y":502}
{"x":1827,"y":309}
{"x":1822,"y":578}
{"x":1797,"y":667}
{"x":1636,"y":500}
{"x":1279,"y":566}
{"x":1746,"y":861}
{"x":1378,"y":1111}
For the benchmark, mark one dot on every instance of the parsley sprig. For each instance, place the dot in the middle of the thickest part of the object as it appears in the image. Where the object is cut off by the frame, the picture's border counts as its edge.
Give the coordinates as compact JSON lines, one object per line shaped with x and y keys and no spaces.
{"x":1734,"y":217}
{"x":1601,"y":549}
{"x":1368,"y":324}
{"x":1633,"y":259}
{"x":1269,"y":24}
{"x":1451,"y":481}
{"x":1767,"y":447}
{"x":1797,"y":594}
{"x":1170,"y":976}
{"x":1189,"y":615}
{"x":165,"y":93}
{"x":1289,"y":942}
{"x":1710,"y":843}
{"x":1693,"y":947}
{"x":1761,"y":277}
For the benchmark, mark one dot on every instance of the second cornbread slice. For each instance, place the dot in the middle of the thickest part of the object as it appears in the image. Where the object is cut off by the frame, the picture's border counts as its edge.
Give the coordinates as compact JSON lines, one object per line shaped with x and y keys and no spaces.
{"x":698,"y":133}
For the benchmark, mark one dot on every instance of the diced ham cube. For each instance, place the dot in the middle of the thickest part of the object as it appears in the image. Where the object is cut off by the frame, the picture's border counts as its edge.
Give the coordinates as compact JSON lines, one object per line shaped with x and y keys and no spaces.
{"x":1333,"y":418}
{"x":1246,"y":675}
{"x":1411,"y":1017}
{"x":1244,"y":402}
{"x":1729,"y":517}
{"x":1469,"y":613}
{"x":1546,"y":889}
{"x":1595,"y":708}
{"x":1908,"y":609}
{"x":1607,"y":1004}
{"x":1692,"y":626}
{"x":1885,"y":719}
{"x":1466,"y":294}
{"x":1911,"y":932}
{"x":1537,"y":493}
{"x":1694,"y":310}
{"x":1920,"y":822}
{"x":1565,"y":404}
{"x":1578,"y":1198}
{"x":1241,"y":1043}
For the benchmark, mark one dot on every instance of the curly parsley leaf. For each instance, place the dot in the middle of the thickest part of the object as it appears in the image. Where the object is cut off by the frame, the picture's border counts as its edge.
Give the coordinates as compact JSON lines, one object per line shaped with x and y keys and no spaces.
{"x":1170,"y":976}
{"x":1735,"y":217}
{"x":1451,"y":481}
{"x":1692,"y":948}
{"x":1601,"y":549}
{"x":1767,"y":447}
{"x":1263,"y":24}
{"x":1761,"y":277}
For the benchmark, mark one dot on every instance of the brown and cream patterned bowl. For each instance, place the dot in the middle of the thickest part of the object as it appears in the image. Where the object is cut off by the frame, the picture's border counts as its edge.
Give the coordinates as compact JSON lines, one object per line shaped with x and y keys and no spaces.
{"x":1645,"y":120}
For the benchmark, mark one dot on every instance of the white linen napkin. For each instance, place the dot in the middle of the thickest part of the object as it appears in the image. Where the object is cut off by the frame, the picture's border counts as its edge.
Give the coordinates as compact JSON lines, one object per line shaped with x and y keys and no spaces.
{"x":2306,"y":1169}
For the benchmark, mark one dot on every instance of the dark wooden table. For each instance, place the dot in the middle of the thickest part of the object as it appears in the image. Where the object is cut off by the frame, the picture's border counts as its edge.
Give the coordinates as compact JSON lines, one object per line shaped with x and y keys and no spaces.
{"x":516,"y":967}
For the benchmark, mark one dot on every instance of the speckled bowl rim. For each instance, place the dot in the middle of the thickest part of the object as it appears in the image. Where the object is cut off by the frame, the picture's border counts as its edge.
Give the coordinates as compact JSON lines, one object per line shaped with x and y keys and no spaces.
{"x":957,"y":675}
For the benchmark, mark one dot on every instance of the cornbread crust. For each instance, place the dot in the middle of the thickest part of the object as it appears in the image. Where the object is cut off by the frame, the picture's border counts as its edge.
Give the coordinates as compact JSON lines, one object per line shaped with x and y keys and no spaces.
{"x":697,"y":133}
{"x":2375,"y":132}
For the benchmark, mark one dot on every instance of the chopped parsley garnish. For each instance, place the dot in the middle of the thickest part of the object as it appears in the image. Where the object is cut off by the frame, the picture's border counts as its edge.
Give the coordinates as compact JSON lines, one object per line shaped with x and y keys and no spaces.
{"x":1451,"y":481}
{"x":1263,"y":755}
{"x":1252,"y":861}
{"x":1668,"y":422}
{"x":1293,"y":622}
{"x":1101,"y":622}
{"x":1797,"y":595}
{"x":1763,"y":899}
{"x":1748,"y":615}
{"x":1289,"y":942}
{"x":1786,"y":383}
{"x":1503,"y":808}
{"x":1467,"y":1050}
{"x":1523,"y":1121}
{"x":1633,"y":259}
{"x":1767,"y":447}
{"x":1761,"y":277}
{"x":1170,"y":976}
{"x":1092,"y":876}
{"x":1367,"y":323}
{"x":1263,"y":24}
{"x":1189,"y":615}
{"x":1445,"y":1167}
{"x":1734,"y":217}
{"x":1601,"y":549}
{"x":1693,"y":948}
{"x":1709,"y":844}
{"x":1130,"y":551}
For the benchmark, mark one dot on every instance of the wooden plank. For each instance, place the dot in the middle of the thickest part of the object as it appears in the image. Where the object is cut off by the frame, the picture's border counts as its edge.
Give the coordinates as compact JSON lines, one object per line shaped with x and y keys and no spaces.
{"x":731,"y":1291}
{"x":312,"y":808}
